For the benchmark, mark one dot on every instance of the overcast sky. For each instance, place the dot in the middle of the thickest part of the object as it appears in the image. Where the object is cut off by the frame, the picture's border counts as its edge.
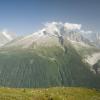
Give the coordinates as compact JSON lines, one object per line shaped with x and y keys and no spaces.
{"x":27,"y":16}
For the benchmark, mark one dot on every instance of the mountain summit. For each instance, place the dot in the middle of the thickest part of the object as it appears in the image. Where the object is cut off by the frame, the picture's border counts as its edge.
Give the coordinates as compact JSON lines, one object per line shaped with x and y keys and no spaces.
{"x":51,"y":30}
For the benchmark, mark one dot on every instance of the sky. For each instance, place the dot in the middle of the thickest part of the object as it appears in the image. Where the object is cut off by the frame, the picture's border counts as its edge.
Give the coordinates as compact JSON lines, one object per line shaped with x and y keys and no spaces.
{"x":28,"y":16}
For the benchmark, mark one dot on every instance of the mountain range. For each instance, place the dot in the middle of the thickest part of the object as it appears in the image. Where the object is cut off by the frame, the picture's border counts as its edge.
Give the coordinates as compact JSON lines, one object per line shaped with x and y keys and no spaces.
{"x":53,"y":56}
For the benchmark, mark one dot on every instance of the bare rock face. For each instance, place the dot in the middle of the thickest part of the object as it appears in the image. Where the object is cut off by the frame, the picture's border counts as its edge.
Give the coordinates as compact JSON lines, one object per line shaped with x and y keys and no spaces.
{"x":96,"y":67}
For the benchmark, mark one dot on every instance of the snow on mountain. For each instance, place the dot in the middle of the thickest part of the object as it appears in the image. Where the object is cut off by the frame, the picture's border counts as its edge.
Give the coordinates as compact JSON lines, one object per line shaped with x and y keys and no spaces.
{"x":54,"y":34}
{"x":93,"y":58}
{"x":5,"y":37}
{"x":54,"y":30}
{"x":73,"y":32}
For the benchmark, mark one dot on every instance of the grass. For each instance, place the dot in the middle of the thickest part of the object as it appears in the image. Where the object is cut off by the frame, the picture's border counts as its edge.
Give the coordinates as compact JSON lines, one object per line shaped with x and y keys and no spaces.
{"x":57,"y":93}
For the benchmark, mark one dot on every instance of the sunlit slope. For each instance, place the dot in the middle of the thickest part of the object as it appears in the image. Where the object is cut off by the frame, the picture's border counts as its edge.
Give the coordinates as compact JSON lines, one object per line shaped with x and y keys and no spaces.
{"x":49,"y":94}
{"x":44,"y":66}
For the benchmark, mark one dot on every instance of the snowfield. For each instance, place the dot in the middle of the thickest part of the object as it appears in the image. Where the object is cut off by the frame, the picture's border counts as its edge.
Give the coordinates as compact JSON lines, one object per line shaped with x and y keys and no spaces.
{"x":93,"y":58}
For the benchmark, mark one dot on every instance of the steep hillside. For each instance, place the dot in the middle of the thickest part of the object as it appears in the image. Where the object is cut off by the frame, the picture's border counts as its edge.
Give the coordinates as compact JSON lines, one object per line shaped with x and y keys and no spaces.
{"x":44,"y":66}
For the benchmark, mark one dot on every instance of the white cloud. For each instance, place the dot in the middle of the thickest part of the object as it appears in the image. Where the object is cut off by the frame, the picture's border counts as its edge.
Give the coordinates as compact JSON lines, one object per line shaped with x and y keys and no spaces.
{"x":71,"y":26}
{"x":57,"y":28}
{"x":53,"y":27}
{"x":85,"y":32}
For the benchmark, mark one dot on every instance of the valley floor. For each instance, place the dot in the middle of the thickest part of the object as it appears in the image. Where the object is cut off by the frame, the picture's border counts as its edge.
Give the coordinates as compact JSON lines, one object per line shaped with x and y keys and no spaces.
{"x":61,"y":93}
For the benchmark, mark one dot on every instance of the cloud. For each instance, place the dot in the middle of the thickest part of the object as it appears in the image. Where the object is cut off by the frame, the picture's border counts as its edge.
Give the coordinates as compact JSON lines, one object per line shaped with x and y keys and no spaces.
{"x":53,"y":27}
{"x":85,"y":32}
{"x":71,"y":26}
{"x":59,"y":28}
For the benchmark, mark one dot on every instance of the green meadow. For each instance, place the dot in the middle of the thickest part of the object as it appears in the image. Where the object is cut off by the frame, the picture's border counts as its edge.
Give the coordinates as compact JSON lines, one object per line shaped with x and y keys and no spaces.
{"x":56,"y":93}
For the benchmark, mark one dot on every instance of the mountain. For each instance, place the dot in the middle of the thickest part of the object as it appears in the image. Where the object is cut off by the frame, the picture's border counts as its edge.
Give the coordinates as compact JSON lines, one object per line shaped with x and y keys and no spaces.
{"x":47,"y":58}
{"x":6,"y":37}
{"x":94,"y":38}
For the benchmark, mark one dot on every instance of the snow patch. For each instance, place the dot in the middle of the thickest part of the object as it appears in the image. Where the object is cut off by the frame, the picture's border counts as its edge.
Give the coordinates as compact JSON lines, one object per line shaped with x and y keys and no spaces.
{"x":93,"y":58}
{"x":78,"y":44}
{"x":7,"y":35}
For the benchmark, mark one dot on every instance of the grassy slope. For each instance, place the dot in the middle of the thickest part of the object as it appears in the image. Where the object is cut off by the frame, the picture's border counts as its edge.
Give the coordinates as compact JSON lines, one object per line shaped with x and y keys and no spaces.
{"x":50,"y":94}
{"x":45,"y":66}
